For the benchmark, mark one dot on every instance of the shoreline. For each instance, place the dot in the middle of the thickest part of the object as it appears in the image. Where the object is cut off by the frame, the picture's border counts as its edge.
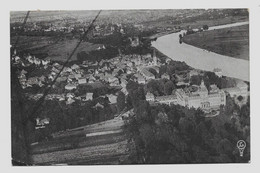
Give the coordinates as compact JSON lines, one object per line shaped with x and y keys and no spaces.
{"x":161,"y":34}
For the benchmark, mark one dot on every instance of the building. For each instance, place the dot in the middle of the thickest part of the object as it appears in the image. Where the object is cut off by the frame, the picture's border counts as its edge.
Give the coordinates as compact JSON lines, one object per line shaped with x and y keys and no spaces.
{"x":169,"y":99}
{"x":140,"y":79}
{"x":240,"y":90}
{"x":202,"y":98}
{"x":32,"y":81}
{"x":70,"y":86}
{"x":40,"y":123}
{"x":89,"y":96}
{"x":82,"y":80}
{"x":150,"y":97}
{"x":112,"y":98}
{"x":218,"y":72}
{"x":196,"y":97}
{"x":98,"y":105}
{"x":146,"y":74}
{"x":74,"y":67}
{"x":165,"y":76}
{"x":154,"y":58}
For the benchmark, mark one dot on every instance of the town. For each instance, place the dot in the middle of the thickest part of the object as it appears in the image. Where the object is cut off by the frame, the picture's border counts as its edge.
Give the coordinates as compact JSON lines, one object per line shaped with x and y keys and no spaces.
{"x":136,"y":87}
{"x":115,"y":73}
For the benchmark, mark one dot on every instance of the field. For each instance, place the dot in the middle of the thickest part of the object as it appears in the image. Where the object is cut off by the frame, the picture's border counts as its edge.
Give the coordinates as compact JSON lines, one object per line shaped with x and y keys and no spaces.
{"x":196,"y":22}
{"x":232,"y":41}
{"x":101,"y":143}
{"x":52,"y":48}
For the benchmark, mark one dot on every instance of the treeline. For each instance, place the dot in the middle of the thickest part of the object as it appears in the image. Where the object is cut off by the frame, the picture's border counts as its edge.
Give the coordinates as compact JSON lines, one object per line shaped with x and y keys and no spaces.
{"x":173,"y":67}
{"x":97,"y":55}
{"x":176,"y":134}
{"x":113,"y":51}
{"x":210,"y":78}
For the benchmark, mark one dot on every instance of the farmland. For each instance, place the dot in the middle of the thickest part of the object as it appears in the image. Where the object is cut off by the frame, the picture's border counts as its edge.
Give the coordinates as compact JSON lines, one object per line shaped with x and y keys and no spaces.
{"x":101,"y":143}
{"x":52,"y":48}
{"x":233,"y":42}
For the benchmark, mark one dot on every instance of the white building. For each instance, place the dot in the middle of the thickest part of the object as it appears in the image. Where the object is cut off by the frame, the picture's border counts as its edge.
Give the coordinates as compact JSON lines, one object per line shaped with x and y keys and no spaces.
{"x":201,"y":98}
{"x":70,"y":86}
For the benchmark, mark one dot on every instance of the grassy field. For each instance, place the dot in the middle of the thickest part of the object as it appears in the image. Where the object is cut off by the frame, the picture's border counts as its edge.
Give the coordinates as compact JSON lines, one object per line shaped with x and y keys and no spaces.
{"x":232,"y":41}
{"x":52,"y":48}
{"x":73,"y":147}
{"x":197,"y":23}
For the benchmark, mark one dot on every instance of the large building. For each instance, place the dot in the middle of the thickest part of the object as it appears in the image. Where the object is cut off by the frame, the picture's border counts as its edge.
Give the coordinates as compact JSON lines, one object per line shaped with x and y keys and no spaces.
{"x":196,"y":96}
{"x":241,"y":89}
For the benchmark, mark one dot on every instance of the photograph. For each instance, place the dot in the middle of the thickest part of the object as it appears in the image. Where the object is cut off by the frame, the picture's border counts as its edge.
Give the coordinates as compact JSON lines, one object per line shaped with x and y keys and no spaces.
{"x":129,"y":86}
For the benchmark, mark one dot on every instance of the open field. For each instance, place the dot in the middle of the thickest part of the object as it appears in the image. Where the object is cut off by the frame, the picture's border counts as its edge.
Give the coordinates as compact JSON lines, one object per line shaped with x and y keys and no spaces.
{"x":232,"y":41}
{"x":52,"y":48}
{"x":86,"y":153}
{"x":196,"y":22}
{"x":216,"y":22}
{"x":100,"y":143}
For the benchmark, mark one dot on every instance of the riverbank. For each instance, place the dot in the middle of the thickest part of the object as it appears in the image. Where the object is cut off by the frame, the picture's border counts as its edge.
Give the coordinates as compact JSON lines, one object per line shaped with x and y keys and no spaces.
{"x":233,"y":42}
{"x":155,"y":36}
{"x":199,"y":58}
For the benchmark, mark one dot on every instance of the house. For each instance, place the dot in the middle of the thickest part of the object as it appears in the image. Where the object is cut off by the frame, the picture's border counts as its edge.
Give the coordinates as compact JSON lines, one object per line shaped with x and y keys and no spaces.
{"x":42,"y":78}
{"x":42,"y":122}
{"x":55,"y":70}
{"x":113,"y":80}
{"x":193,"y":73}
{"x":140,"y":79}
{"x":77,"y":76}
{"x":91,"y":79}
{"x":101,"y":76}
{"x":89,"y":96}
{"x":70,"y":95}
{"x":165,"y":76}
{"x":112,"y":98}
{"x":61,"y":79}
{"x":82,"y":80}
{"x":70,"y":101}
{"x":147,"y":75}
{"x":150,"y":97}
{"x":74,"y":67}
{"x":37,"y":61}
{"x":45,"y":62}
{"x":240,"y":90}
{"x":70,"y":86}
{"x":32,"y":81}
{"x":67,"y":69}
{"x":124,"y":90}
{"x":217,"y":72}
{"x":23,"y":72}
{"x":123,"y":82}
{"x":98,"y":105}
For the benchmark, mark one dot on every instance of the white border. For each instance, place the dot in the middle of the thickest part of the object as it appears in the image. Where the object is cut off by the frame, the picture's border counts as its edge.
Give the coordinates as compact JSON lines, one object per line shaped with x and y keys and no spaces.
{"x":24,"y":5}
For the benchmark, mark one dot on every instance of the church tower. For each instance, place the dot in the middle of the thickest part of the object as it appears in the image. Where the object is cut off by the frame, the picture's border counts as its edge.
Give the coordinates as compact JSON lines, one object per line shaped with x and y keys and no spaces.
{"x":203,"y":90}
{"x":154,"y":58}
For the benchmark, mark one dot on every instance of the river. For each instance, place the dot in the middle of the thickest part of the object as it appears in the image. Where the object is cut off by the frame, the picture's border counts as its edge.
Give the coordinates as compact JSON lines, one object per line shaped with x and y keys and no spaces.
{"x":203,"y":59}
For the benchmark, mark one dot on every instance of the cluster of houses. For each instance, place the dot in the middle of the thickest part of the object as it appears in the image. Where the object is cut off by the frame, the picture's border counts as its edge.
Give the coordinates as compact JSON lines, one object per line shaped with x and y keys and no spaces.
{"x":112,"y":72}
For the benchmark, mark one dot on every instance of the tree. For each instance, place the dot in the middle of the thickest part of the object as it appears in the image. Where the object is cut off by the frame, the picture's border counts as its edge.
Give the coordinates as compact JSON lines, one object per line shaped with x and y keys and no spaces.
{"x":168,"y":87}
{"x":121,"y":101}
{"x":153,"y":71}
{"x":205,"y":27}
{"x":195,"y":80}
{"x":240,"y":98}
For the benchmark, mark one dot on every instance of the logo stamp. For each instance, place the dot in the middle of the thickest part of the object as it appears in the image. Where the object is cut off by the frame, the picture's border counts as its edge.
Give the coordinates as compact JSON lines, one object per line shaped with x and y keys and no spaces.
{"x":241,"y":145}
